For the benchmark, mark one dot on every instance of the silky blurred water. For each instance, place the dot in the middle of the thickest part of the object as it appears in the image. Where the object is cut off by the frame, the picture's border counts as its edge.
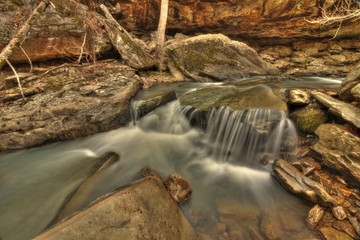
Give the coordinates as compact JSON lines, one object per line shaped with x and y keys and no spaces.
{"x":35,"y":183}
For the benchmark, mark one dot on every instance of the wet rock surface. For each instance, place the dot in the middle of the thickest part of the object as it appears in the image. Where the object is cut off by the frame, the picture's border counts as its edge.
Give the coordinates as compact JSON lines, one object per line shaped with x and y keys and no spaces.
{"x":75,"y":102}
{"x":142,"y":211}
{"x":339,"y":150}
{"x":348,"y":84}
{"x":298,"y":97}
{"x":234,"y":97}
{"x":214,"y":57}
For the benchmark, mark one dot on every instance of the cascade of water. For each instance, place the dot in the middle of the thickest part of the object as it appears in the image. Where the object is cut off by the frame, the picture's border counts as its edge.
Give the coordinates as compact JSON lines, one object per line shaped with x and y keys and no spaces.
{"x":247,"y":137}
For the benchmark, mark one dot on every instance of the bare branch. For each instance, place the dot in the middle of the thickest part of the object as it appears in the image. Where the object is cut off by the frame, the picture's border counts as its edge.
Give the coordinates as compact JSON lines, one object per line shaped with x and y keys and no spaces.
{"x":17,"y":78}
{"x":28,"y":58}
{"x":82,"y":49}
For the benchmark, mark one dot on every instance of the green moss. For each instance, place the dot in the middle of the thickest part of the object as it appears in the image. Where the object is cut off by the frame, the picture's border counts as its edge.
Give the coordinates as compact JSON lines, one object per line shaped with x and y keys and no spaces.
{"x":309,"y":118}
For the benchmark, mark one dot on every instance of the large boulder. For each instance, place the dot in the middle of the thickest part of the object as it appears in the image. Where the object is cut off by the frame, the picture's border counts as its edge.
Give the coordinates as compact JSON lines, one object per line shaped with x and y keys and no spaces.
{"x":340,"y":109}
{"x":77,"y":102}
{"x":214,"y":57}
{"x":233,"y":97}
{"x":339,"y":150}
{"x":142,"y":211}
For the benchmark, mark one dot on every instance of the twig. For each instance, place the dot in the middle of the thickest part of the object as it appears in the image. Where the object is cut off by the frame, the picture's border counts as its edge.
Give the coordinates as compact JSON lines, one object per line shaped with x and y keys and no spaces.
{"x":17,"y":78}
{"x":28,"y":58}
{"x":82,"y":49}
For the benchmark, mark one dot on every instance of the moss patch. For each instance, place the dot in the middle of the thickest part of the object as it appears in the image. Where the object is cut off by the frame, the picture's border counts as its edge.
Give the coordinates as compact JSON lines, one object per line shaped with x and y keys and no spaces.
{"x":309,"y":118}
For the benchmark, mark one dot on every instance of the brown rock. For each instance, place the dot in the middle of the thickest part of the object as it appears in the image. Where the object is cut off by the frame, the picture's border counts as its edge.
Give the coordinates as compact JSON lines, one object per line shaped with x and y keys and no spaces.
{"x":314,"y":216}
{"x":299,"y":97}
{"x":179,"y":188}
{"x":339,"y":150}
{"x":142,"y":211}
{"x":330,"y":233}
{"x":346,"y":227}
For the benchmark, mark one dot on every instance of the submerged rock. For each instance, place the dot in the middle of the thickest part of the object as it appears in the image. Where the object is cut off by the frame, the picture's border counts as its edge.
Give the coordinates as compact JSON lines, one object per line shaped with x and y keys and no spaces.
{"x":340,"y":109}
{"x":76,"y":102}
{"x":142,"y":211}
{"x":339,"y":150}
{"x":295,"y":182}
{"x":214,"y":57}
{"x":309,"y":118}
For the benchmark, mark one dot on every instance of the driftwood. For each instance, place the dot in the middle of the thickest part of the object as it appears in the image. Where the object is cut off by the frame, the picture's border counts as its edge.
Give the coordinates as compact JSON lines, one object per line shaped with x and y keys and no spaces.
{"x":18,"y":96}
{"x":133,"y":54}
{"x":19,"y":37}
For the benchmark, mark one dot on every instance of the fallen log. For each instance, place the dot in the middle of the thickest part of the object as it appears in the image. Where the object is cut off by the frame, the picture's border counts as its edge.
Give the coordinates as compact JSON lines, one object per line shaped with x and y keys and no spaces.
{"x":133,"y":54}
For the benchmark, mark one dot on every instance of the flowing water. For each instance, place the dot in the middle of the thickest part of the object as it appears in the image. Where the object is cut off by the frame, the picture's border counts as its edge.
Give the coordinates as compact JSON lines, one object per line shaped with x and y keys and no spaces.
{"x":228,"y":166}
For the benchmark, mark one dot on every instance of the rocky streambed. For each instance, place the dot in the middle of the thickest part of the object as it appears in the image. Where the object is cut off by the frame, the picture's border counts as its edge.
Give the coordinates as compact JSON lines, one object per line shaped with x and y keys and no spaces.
{"x":196,"y":136}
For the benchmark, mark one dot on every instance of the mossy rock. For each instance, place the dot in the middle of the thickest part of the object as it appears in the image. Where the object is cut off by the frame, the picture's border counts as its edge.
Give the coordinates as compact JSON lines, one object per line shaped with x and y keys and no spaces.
{"x":236,"y":98}
{"x":214,"y":57}
{"x":309,"y":118}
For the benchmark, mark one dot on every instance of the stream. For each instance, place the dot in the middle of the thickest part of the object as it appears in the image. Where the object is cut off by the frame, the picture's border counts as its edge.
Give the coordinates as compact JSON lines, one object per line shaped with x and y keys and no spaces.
{"x":231,"y":182}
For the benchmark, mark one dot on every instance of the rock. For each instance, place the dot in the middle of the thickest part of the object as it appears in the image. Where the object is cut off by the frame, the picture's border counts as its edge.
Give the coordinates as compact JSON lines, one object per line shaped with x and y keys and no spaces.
{"x":236,"y":98}
{"x":78,"y":198}
{"x":345,"y":226}
{"x":314,"y":216}
{"x":330,"y":233}
{"x":338,"y":212}
{"x":299,"y":97}
{"x":340,"y":109}
{"x":283,"y":20}
{"x":148,"y":103}
{"x":355,"y":91}
{"x":339,"y":150}
{"x":214,"y":57}
{"x":76,"y":102}
{"x":308,"y":118}
{"x":142,"y":211}
{"x":179,"y":188}
{"x":351,"y":80}
{"x":295,"y":182}
{"x":52,"y":35}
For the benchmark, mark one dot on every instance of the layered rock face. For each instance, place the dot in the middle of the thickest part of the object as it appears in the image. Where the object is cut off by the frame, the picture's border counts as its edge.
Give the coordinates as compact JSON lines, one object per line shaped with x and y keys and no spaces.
{"x":245,"y":19}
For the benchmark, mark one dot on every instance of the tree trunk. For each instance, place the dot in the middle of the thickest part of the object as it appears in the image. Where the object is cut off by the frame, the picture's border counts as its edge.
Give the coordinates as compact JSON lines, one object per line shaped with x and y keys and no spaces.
{"x":160,"y":37}
{"x":20,"y":36}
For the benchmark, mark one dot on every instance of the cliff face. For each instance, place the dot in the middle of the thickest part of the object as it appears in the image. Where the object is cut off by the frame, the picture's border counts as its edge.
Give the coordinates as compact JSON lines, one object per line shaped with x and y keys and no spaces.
{"x":265,"y":19}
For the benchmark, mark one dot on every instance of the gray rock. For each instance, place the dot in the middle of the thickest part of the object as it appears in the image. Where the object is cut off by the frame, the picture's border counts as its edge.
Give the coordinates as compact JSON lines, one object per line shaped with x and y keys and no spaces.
{"x":355,"y":91}
{"x":142,"y":211}
{"x":214,"y":57}
{"x":308,"y":118}
{"x":299,"y":97}
{"x":339,"y":150}
{"x":340,"y":109}
{"x":77,"y":102}
{"x":295,"y":182}
{"x":350,"y":81}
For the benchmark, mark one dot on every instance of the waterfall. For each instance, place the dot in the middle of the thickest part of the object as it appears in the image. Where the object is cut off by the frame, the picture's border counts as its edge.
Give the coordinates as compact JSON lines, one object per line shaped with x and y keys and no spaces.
{"x":250,"y":137}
